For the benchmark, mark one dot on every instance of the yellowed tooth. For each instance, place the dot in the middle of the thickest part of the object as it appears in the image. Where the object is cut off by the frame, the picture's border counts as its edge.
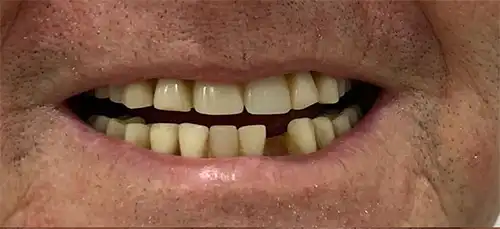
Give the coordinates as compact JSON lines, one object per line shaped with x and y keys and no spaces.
{"x":223,"y":141}
{"x":303,"y":91}
{"x":268,"y":96}
{"x":135,"y":120}
{"x":353,"y":114}
{"x":115,"y":128}
{"x":116,"y":93}
{"x":101,"y":92}
{"x":328,"y":89}
{"x":193,"y":140}
{"x":217,"y":99}
{"x":341,"y":124}
{"x":164,"y":137}
{"x":342,"y":84}
{"x":276,"y":146}
{"x":101,"y":123}
{"x":138,"y":134}
{"x":252,"y":140}
{"x":301,"y":133}
{"x":323,"y":129}
{"x":138,"y":95}
{"x":173,"y":95}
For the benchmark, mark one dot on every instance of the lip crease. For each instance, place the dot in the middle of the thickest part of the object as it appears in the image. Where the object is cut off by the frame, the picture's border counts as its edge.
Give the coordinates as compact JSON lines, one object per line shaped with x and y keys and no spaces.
{"x":258,"y":172}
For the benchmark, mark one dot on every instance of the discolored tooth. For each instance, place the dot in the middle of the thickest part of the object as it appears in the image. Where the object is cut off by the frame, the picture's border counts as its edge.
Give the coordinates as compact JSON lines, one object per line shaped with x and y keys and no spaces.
{"x":303,"y":91}
{"x":217,"y":99}
{"x":341,"y":124}
{"x":138,"y":95}
{"x":301,"y":134}
{"x":193,"y":140}
{"x":268,"y":96}
{"x":275,"y":146}
{"x":173,"y":95}
{"x":101,"y":92}
{"x":138,"y":134}
{"x":223,"y":141}
{"x":323,"y":129}
{"x":328,"y":89}
{"x":252,"y":140}
{"x":164,"y":137}
{"x":101,"y":123}
{"x":135,"y":120}
{"x":115,"y":128}
{"x":116,"y":93}
{"x":353,"y":113}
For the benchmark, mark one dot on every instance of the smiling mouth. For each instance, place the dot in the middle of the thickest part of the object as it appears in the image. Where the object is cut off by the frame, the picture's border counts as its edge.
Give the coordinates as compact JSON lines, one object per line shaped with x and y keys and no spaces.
{"x":298,"y":113}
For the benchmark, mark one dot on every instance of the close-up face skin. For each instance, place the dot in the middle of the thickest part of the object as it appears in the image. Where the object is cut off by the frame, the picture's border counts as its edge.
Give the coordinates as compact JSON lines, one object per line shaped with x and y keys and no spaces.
{"x":249,"y":113}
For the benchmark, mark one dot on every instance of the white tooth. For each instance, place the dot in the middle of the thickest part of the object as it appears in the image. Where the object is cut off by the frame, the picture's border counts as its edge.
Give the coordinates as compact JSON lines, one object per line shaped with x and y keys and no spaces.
{"x":223,"y":141}
{"x":138,"y":134}
{"x":173,"y":95}
{"x":252,"y":140}
{"x":301,"y":133}
{"x":328,"y":89}
{"x":116,"y":93}
{"x":268,"y":96}
{"x":341,"y":124}
{"x":193,"y":140}
{"x":303,"y":91}
{"x":101,"y":93}
{"x":323,"y":130}
{"x":217,"y":99}
{"x":164,"y":137}
{"x":138,"y":95}
{"x":101,"y":123}
{"x":115,"y":128}
{"x":353,"y":114}
{"x":135,"y":120}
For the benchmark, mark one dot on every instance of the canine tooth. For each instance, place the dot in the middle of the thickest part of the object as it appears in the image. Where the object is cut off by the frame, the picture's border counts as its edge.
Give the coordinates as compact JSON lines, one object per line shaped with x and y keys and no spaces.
{"x":173,"y":95}
{"x":268,"y":96}
{"x":342,"y":84}
{"x":217,"y":99}
{"x":301,"y":134}
{"x":138,"y":95}
{"x":116,"y":93}
{"x":223,"y":141}
{"x":252,"y":140}
{"x":193,"y":140}
{"x":323,"y":129}
{"x":101,"y":92}
{"x":138,"y":134}
{"x":353,"y":114}
{"x":341,"y":124}
{"x":164,"y":137}
{"x":303,"y":91}
{"x":115,"y":128}
{"x":101,"y":123}
{"x":135,"y":120}
{"x":328,"y":89}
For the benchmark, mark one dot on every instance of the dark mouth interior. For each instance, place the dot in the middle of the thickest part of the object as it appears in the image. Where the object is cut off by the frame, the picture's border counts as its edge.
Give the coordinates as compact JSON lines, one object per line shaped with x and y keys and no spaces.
{"x":84,"y":105}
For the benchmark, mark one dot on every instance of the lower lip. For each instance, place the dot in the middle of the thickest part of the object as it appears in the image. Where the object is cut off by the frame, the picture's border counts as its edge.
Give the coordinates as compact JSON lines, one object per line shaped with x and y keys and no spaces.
{"x":247,"y":171}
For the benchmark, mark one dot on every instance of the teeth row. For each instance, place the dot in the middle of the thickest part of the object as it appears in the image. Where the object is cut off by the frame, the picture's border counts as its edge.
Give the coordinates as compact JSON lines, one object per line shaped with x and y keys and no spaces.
{"x":303,"y":135}
{"x":273,"y":95}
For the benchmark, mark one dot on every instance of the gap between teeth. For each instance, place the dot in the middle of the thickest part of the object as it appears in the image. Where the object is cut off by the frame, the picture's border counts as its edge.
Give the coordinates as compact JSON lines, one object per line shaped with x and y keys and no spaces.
{"x":303,"y":135}
{"x":272,"y":95}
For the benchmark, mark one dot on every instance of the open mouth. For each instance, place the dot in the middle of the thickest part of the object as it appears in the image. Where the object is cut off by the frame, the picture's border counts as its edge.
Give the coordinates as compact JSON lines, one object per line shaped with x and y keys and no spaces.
{"x":297,"y":113}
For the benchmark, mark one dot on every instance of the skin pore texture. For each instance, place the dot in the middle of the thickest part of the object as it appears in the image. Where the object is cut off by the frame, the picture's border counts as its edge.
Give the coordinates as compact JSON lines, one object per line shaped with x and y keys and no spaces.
{"x":426,"y":156}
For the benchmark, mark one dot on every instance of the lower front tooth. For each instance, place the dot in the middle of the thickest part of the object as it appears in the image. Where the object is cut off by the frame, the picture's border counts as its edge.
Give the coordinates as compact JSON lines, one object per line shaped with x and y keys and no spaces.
{"x":164,"y":137}
{"x":323,"y":129}
{"x":301,"y":134}
{"x":115,"y":128}
{"x":138,"y":95}
{"x":252,"y":140}
{"x":193,"y":140}
{"x":138,"y":134}
{"x":101,"y":123}
{"x":341,"y":124}
{"x":223,"y":141}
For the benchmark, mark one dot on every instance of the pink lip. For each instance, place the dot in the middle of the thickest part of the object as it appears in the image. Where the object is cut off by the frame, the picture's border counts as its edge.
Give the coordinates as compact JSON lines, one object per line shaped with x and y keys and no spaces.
{"x":246,"y":171}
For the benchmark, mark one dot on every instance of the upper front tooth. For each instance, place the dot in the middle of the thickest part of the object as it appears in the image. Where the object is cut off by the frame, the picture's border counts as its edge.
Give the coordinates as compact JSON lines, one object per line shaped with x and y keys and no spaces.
{"x":268,"y":96}
{"x":303,"y":91}
{"x":217,"y":99}
{"x":116,"y":93}
{"x":342,"y":84}
{"x":223,"y":141}
{"x":301,"y":135}
{"x":172,"y":95}
{"x":138,"y":95}
{"x":328,"y":89}
{"x":101,"y":93}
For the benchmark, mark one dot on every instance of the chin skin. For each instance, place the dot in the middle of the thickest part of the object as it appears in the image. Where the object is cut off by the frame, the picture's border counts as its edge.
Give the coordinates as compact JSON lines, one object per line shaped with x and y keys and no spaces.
{"x":423,"y":159}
